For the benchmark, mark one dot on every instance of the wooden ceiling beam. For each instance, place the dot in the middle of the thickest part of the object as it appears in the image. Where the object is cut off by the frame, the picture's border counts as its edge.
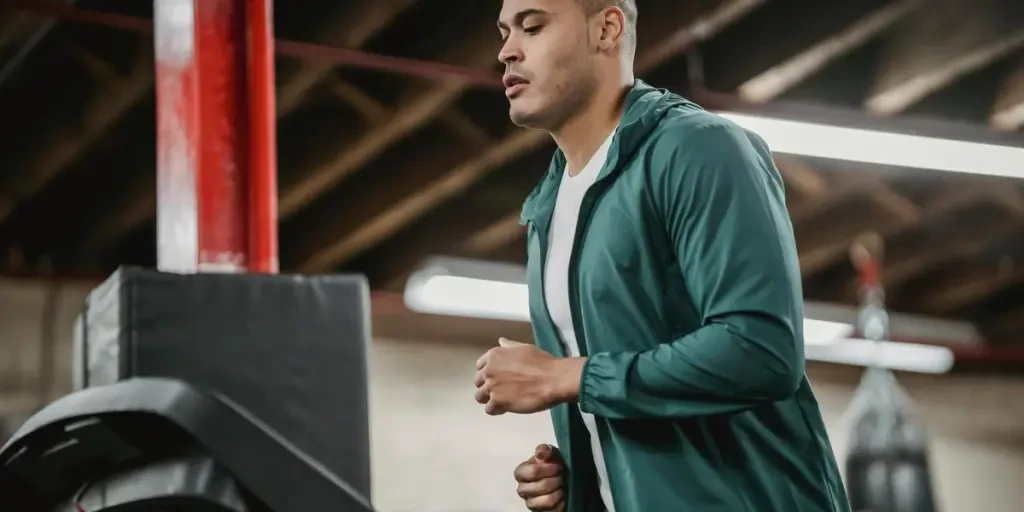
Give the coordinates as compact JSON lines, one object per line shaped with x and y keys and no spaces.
{"x":353,"y":29}
{"x":1006,"y":328}
{"x":406,"y":209}
{"x":136,"y":205}
{"x":850,"y":186}
{"x":789,"y":73}
{"x":376,"y":113}
{"x":16,"y":27}
{"x":815,"y":259}
{"x":653,"y":51}
{"x":1008,"y":109}
{"x":921,"y":260}
{"x":417,"y":109}
{"x":927,"y":258}
{"x":445,"y":231}
{"x":796,"y":173}
{"x":100,"y":113}
{"x":970,"y":286}
{"x":941,"y":44}
{"x":901,"y":208}
{"x":418,"y":171}
{"x":101,"y":70}
{"x":496,"y":235}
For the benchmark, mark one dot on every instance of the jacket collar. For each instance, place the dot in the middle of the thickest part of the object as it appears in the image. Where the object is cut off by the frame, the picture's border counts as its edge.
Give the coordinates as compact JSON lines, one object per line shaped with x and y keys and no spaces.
{"x":645,"y":106}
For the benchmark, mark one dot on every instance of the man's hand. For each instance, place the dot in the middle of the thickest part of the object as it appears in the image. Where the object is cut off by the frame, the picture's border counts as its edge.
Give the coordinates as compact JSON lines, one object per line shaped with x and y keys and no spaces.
{"x":521,"y":378}
{"x":539,"y":480}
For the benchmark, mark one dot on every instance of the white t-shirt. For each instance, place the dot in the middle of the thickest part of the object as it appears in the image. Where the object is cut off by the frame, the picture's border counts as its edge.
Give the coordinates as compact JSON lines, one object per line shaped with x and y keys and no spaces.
{"x":556,"y":280}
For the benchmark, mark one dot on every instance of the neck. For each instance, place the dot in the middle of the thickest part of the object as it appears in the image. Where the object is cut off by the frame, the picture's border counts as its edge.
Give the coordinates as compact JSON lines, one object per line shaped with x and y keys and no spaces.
{"x":582,"y":134}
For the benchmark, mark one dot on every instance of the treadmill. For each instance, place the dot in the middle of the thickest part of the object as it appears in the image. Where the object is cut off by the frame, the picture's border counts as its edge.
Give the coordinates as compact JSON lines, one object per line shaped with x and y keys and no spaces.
{"x":160,"y":445}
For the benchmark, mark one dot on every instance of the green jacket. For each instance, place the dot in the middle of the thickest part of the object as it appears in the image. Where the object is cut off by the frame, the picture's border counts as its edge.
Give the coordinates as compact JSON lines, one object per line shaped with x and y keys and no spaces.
{"x":686,"y":299}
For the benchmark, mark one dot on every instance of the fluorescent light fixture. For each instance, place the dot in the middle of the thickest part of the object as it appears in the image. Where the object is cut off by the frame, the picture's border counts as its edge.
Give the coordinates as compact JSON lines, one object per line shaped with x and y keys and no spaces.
{"x":441,"y":294}
{"x":474,"y":298}
{"x":470,"y":288}
{"x":885,"y":148}
{"x":823,"y":332}
{"x":908,"y":357}
{"x":495,"y":291}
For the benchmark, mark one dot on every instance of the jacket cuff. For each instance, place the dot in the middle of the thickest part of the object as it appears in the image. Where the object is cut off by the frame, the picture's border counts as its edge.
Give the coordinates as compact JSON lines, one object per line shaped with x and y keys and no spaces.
{"x":598,"y":370}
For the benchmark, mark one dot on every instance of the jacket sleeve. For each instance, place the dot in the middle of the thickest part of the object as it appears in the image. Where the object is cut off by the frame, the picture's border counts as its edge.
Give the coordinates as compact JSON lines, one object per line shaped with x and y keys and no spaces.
{"x":722,"y":203}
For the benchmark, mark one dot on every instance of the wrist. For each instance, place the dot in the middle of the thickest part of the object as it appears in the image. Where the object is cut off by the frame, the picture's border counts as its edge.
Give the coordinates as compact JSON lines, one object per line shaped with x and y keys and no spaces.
{"x":566,"y":374}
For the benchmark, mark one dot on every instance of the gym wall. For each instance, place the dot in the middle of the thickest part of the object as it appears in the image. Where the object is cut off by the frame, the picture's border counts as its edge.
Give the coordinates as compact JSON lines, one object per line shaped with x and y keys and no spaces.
{"x":435,"y":450}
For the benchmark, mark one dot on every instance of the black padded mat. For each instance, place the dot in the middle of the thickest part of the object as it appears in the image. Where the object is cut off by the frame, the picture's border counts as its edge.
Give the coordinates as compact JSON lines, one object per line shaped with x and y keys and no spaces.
{"x":291,"y":350}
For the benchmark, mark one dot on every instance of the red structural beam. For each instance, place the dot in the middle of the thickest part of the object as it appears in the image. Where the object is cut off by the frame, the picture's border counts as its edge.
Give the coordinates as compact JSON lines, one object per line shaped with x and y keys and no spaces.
{"x":339,"y":56}
{"x":262,"y":137}
{"x":216,"y":175}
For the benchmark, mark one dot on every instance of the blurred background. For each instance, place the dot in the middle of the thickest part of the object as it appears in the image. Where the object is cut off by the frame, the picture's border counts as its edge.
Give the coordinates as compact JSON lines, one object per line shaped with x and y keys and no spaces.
{"x":384,"y":163}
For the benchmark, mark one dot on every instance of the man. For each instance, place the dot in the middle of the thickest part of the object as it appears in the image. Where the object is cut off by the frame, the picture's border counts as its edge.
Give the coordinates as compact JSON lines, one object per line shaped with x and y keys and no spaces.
{"x":664,"y":287}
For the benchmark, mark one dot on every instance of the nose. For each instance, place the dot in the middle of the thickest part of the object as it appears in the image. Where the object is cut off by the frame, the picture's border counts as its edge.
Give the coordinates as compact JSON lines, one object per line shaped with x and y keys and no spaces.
{"x":510,"y":52}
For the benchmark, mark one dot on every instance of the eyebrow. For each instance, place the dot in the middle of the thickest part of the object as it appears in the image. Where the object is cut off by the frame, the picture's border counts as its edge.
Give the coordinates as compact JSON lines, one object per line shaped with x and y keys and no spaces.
{"x":520,"y":16}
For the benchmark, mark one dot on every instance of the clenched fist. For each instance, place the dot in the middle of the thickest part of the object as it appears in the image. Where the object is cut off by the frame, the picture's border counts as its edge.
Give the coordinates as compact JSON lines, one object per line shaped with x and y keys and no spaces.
{"x":520,"y":378}
{"x":539,"y":480}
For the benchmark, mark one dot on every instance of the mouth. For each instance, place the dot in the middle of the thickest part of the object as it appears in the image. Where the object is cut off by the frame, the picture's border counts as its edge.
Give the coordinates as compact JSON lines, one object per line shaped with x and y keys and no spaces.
{"x":514,"y":85}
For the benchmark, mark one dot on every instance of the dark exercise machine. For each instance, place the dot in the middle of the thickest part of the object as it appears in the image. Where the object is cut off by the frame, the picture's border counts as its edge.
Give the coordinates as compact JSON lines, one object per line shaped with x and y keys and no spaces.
{"x":149,"y":444}
{"x":219,"y":393}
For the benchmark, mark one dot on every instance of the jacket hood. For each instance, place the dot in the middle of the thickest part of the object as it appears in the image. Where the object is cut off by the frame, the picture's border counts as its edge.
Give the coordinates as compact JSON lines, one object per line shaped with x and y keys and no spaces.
{"x":645,"y":107}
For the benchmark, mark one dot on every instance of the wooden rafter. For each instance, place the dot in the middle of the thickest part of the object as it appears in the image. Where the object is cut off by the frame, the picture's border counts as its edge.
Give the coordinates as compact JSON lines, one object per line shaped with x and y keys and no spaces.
{"x":100,"y":69}
{"x":816,"y":258}
{"x":1008,"y":110}
{"x":417,"y":109}
{"x":783,"y":76}
{"x":15,"y":29}
{"x":969,"y":287}
{"x":922,"y":259}
{"x":102,"y":112}
{"x":940,"y":44}
{"x":353,"y":29}
{"x":1008,"y":327}
{"x":491,"y":199}
{"x":376,"y":113}
{"x":849,"y":186}
{"x":801,"y":176}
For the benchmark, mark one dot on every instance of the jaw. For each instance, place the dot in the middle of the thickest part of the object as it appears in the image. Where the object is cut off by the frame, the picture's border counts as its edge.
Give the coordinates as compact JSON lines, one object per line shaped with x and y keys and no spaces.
{"x":525,"y":117}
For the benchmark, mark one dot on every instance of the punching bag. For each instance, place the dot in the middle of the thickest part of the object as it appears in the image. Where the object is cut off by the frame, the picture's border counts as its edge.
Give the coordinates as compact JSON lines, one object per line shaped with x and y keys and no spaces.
{"x":887,"y":459}
{"x":887,"y":462}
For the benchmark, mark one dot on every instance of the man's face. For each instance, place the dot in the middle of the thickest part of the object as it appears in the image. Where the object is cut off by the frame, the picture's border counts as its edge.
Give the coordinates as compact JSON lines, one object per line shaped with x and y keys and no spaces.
{"x":549,"y":71}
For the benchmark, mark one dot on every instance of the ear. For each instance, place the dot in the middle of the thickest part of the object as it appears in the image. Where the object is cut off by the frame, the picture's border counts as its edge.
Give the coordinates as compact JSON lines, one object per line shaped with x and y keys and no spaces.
{"x":612,"y":24}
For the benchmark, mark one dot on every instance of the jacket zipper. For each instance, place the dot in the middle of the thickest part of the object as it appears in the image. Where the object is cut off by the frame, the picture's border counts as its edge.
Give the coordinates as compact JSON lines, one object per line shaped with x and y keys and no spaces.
{"x":574,"y":433}
{"x":582,"y":225}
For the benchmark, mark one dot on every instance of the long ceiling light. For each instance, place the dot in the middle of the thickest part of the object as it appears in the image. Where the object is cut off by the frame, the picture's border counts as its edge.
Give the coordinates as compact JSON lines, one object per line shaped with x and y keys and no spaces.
{"x":449,"y":286}
{"x":884,"y":148}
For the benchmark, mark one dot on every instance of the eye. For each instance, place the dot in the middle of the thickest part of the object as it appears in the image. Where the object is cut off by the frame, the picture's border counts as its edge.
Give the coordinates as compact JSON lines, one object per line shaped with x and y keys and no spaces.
{"x":533,"y":29}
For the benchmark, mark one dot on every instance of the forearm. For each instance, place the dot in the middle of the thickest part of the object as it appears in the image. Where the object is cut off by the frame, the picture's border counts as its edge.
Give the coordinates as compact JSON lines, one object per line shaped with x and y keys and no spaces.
{"x":724,"y":367}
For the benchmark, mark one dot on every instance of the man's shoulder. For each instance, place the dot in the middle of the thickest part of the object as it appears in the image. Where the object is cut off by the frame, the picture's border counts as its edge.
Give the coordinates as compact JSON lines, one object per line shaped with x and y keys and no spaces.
{"x":689,"y":140}
{"x":696,"y":129}
{"x":688,"y":143}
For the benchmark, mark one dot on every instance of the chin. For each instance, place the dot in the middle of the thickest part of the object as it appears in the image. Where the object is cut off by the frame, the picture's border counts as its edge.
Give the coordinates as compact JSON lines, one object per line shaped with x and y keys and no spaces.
{"x":525,"y":118}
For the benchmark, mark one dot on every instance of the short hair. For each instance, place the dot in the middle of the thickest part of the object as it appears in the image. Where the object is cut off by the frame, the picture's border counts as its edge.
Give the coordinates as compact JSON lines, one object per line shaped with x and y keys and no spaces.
{"x":628,"y":8}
